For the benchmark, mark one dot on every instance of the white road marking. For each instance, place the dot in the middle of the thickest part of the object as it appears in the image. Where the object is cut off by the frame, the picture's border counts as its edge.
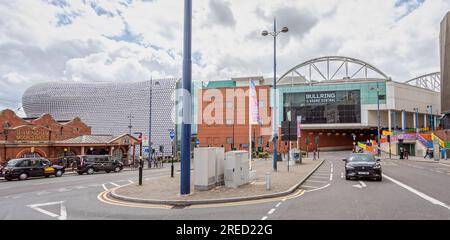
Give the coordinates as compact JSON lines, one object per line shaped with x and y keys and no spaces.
{"x":284,"y":200}
{"x":264,"y":218}
{"x":114,"y":184}
{"x":64,"y":190}
{"x":279,"y":204}
{"x":420,"y":194}
{"x":342,"y":175}
{"x":362,"y":184}
{"x":63,"y":211}
{"x":315,"y":181}
{"x":42,"y":193}
{"x":319,"y":177}
{"x":357,"y":186}
{"x":271,"y":211}
{"x":317,"y":189}
{"x":306,"y":186}
{"x":130,"y":181}
{"x":104,"y":187}
{"x":331,"y":177}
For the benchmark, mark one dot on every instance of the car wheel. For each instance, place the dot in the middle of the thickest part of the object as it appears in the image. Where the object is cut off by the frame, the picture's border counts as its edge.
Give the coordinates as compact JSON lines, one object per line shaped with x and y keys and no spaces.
{"x":107,"y":171}
{"x":23,"y":176}
{"x":8,"y":179}
{"x":379,"y":179}
{"x":59,"y":173}
{"x":80,"y":173}
{"x":117,"y":169}
{"x":47,"y":176}
{"x":90,"y":171}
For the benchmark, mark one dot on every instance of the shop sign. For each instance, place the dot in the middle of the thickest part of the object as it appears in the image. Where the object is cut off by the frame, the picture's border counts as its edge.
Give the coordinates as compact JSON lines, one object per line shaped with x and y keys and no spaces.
{"x":320,"y":98}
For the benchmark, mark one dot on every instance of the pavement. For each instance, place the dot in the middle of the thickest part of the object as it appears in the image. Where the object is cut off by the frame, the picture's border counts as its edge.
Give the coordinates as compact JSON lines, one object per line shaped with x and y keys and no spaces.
{"x":166,"y":189}
{"x":410,"y":190}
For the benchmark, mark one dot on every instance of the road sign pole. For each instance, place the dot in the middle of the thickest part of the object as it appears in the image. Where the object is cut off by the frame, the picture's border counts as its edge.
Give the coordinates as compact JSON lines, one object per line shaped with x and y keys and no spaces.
{"x":185,"y":183}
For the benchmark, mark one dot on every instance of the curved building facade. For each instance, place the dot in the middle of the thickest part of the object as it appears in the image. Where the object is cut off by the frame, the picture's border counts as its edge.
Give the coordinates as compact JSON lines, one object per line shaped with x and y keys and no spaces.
{"x":109,"y":108}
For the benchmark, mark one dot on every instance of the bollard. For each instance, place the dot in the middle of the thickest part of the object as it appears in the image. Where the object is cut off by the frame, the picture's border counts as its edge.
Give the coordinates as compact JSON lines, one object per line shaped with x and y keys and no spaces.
{"x":268,"y":181}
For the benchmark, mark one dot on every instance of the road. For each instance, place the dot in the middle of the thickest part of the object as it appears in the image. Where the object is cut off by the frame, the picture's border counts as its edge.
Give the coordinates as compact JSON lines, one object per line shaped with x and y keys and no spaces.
{"x":409,"y":190}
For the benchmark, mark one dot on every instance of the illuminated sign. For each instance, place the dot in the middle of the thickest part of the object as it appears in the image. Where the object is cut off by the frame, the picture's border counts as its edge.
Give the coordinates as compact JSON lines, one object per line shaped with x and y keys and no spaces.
{"x":320,"y":98}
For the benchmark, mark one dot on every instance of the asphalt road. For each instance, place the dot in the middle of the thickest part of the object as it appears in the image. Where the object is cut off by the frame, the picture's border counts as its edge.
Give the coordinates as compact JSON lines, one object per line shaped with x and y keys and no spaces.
{"x":410,"y":190}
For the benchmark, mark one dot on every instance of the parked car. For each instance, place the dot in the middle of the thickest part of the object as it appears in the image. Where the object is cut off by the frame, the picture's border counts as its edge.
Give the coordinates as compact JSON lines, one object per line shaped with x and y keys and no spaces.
{"x":95,"y":163}
{"x":362,"y":165}
{"x":25,"y":168}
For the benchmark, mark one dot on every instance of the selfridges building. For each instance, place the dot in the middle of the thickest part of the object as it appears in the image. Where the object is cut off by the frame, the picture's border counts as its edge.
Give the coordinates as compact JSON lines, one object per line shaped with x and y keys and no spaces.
{"x":109,"y":108}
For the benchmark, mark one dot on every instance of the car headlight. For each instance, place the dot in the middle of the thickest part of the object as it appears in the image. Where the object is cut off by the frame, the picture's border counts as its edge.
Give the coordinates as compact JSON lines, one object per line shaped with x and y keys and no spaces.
{"x":350,"y":168}
{"x":378,"y":166}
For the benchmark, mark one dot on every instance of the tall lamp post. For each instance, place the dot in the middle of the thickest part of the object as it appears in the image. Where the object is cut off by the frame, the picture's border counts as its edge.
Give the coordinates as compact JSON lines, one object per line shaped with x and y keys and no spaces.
{"x":274,"y":34}
{"x":378,"y":118}
{"x":185,"y":180}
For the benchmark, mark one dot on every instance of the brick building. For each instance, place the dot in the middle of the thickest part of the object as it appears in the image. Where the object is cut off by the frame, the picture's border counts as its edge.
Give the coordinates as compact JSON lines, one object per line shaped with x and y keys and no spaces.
{"x":52,"y":139}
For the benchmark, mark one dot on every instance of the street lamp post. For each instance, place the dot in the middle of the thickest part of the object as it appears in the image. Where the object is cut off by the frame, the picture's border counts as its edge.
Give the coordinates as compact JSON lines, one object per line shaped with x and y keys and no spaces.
{"x":274,"y":34}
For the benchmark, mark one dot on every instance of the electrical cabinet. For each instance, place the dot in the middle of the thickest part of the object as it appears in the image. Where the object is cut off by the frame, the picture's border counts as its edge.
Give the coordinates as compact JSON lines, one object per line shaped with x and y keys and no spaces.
{"x":236,"y":169}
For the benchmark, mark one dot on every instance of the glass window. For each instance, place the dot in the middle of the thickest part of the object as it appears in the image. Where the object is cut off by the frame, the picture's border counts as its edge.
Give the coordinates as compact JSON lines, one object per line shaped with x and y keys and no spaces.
{"x":229,"y":140}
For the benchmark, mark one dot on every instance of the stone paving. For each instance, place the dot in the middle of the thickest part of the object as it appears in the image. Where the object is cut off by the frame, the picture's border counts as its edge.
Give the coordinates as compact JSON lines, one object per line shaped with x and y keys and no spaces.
{"x":167,"y":188}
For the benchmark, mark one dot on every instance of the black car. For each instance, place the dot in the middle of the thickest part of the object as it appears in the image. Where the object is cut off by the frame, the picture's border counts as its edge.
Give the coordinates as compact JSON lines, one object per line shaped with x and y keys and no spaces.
{"x":95,"y":163}
{"x":24,"y":168}
{"x":362,"y":165}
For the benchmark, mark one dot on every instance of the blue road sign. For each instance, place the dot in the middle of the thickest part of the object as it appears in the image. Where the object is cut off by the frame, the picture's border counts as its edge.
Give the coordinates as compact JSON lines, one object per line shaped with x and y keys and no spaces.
{"x":172,"y":135}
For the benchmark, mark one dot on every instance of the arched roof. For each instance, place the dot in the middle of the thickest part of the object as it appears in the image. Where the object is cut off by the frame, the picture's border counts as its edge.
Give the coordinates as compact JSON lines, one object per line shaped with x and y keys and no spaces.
{"x":431,"y":81}
{"x":331,"y":68}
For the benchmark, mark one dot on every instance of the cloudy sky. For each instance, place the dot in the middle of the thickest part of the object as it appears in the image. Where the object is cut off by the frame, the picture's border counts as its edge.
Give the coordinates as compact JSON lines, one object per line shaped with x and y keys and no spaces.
{"x":131,"y":40}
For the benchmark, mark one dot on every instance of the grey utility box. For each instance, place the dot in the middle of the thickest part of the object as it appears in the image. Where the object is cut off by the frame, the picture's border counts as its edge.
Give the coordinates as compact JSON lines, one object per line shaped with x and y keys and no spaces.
{"x":236,"y":169}
{"x":208,"y":168}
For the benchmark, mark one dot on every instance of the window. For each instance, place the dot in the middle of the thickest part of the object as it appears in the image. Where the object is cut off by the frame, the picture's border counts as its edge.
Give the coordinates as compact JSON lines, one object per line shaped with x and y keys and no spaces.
{"x":230,"y":122}
{"x":24,"y":163}
{"x":229,"y":140}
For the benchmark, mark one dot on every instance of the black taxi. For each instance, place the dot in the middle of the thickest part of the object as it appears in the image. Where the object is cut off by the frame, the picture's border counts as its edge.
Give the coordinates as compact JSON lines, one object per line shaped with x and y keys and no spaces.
{"x":24,"y":168}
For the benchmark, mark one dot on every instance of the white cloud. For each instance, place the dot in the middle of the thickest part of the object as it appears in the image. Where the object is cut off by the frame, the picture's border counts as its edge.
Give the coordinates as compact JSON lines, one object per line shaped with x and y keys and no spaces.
{"x":122,"y":40}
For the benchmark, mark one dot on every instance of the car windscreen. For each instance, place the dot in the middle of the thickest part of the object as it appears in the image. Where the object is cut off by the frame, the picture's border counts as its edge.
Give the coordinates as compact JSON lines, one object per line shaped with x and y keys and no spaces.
{"x":361,"y":158}
{"x":13,"y":163}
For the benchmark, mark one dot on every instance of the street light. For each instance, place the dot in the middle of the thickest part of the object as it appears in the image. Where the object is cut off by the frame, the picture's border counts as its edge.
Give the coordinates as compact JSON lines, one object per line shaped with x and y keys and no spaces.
{"x":378,"y":117}
{"x":274,"y":34}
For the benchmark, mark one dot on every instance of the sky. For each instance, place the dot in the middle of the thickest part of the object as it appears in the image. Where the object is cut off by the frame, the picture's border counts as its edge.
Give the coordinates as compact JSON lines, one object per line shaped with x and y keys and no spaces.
{"x":134,"y":40}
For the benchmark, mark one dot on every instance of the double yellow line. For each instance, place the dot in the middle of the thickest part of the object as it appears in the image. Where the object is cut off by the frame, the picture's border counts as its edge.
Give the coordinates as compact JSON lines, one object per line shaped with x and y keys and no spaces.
{"x":103,"y":197}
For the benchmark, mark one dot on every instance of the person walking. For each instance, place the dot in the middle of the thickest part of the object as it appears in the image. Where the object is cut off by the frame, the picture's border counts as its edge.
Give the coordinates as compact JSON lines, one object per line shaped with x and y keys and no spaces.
{"x":314,"y":154}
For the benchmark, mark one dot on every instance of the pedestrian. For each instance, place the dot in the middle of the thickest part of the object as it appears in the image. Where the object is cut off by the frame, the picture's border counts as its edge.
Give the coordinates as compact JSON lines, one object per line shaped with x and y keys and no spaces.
{"x":402,"y":153}
{"x":406,"y":154}
{"x":314,"y":154}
